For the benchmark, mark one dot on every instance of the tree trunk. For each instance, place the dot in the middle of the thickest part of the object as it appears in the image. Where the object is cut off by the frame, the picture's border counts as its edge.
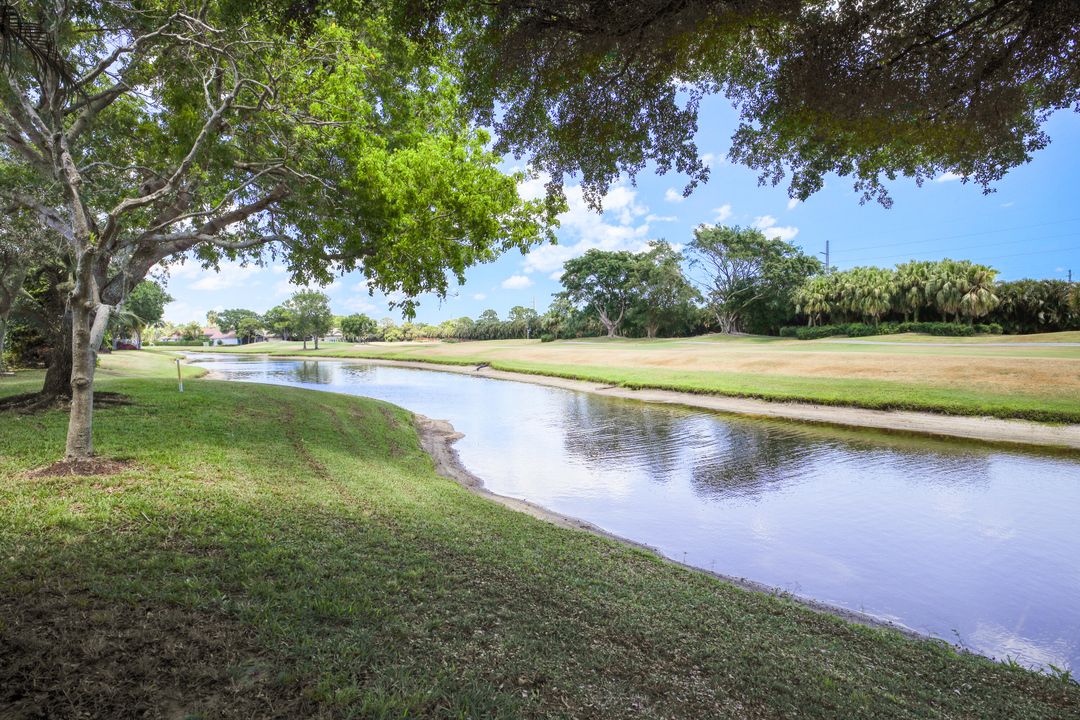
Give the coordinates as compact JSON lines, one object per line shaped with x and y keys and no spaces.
{"x":650,"y":330}
{"x":57,"y":383}
{"x":87,"y":329}
{"x":316,"y":341}
{"x":305,"y":342}
{"x":3,"y":335}
{"x":729,"y":322}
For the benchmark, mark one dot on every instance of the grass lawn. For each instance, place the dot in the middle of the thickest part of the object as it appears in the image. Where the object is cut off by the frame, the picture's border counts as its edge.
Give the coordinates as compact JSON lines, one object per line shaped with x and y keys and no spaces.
{"x":970,"y":378}
{"x":277,"y":552}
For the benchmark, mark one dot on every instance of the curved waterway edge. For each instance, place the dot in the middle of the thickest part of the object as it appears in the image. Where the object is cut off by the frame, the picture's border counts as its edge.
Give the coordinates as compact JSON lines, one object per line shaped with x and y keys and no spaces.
{"x":437,"y":437}
{"x":1024,"y":433}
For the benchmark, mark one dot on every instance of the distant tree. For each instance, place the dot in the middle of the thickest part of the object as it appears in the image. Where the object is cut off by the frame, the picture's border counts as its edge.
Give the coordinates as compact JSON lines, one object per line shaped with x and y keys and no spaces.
{"x":815,"y":297}
{"x":488,"y":316}
{"x":358,"y":327}
{"x":604,"y":282}
{"x":978,"y":292}
{"x":229,"y":320}
{"x":212,"y":318}
{"x":13,"y":269}
{"x":911,"y":281}
{"x":145,"y":305}
{"x":665,"y":297}
{"x":249,"y":328}
{"x":524,"y":320}
{"x":311,"y":315}
{"x":192,"y":332}
{"x":280,"y":319}
{"x":748,"y":274}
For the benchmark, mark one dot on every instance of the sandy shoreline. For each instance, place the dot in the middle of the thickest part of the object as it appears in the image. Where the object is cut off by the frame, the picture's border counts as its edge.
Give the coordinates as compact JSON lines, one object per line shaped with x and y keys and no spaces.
{"x":984,"y":429}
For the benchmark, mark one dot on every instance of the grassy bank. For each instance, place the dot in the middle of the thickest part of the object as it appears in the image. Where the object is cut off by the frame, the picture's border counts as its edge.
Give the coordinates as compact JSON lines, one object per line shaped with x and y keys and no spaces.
{"x":906,"y":373}
{"x":275,"y":552}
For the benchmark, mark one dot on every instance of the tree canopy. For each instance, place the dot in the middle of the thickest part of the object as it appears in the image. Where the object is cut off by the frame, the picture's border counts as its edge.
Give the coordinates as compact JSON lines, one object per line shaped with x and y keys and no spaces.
{"x":310,"y":315}
{"x":869,"y":90}
{"x":748,"y":276}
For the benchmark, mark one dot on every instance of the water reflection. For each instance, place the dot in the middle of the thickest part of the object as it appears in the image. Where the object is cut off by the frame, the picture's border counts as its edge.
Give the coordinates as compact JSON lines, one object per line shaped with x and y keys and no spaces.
{"x":962,"y":541}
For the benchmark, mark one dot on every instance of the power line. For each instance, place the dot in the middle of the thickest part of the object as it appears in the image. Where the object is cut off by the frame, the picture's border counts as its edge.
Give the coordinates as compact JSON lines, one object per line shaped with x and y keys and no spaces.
{"x":969,"y":247}
{"x":1027,"y":253}
{"x":962,"y":235}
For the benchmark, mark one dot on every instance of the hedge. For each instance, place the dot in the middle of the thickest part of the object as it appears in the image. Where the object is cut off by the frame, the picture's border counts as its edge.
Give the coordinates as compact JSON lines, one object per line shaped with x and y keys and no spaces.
{"x":890,"y":328}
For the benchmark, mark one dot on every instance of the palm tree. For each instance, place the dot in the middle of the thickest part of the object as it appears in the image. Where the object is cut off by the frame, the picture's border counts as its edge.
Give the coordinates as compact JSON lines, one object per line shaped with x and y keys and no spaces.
{"x":978,"y":291}
{"x":875,"y":288}
{"x":946,"y":287}
{"x":814,"y":298}
{"x":911,"y":280}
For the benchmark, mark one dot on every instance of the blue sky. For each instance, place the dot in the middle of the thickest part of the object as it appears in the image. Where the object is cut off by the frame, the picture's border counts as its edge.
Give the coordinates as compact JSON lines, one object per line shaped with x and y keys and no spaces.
{"x":1030,"y":227}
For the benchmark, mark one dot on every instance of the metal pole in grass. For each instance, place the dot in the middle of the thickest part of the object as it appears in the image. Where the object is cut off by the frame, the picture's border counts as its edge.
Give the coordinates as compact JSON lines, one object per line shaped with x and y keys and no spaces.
{"x":179,"y":379}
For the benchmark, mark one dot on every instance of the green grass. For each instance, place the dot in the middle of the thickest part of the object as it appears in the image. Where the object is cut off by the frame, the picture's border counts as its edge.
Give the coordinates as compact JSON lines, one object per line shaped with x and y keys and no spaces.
{"x":276,"y":552}
{"x":1041,"y":404}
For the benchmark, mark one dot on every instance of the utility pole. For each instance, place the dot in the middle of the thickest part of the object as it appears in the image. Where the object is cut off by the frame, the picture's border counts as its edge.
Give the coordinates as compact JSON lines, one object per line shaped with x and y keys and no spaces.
{"x":826,"y":254}
{"x":1070,"y":276}
{"x":528,"y":321}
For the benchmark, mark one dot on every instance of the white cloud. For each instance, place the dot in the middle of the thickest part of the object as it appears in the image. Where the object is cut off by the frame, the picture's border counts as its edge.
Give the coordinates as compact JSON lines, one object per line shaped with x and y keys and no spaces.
{"x":767,"y":224}
{"x":793,"y":203}
{"x":661,"y":218}
{"x":1008,"y":204}
{"x":479,"y":296}
{"x":516,"y":282}
{"x":231,"y":274}
{"x":361,"y":305}
{"x":722,"y":213}
{"x":624,"y":225}
{"x":557,"y":275}
{"x":710,"y":159}
{"x":673,"y":196}
{"x":947,"y":177}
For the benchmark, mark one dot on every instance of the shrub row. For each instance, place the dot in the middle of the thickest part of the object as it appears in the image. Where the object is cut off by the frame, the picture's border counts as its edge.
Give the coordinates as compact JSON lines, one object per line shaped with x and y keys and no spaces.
{"x":890,"y":328}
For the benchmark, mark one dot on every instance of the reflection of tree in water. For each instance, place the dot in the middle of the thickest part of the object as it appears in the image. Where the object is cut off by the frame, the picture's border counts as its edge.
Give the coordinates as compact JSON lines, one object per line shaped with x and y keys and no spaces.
{"x":763,"y":458}
{"x":630,"y":436}
{"x":752,"y":460}
{"x":726,"y":458}
{"x":314,"y":372}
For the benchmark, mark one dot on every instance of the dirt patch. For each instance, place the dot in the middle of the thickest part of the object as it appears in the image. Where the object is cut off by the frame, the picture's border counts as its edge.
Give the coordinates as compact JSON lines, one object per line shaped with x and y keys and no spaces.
{"x":91,"y":466}
{"x":35,"y":402}
{"x":73,"y":655}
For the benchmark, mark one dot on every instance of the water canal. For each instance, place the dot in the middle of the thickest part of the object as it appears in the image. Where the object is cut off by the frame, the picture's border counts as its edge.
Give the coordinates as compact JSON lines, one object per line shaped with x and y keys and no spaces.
{"x":967,"y":542}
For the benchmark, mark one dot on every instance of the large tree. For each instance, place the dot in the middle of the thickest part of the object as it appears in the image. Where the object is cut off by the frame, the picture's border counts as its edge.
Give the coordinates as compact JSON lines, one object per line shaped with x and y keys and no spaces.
{"x":311,"y":316}
{"x":747,"y":274}
{"x":229,"y":320}
{"x":665,"y":296}
{"x":193,"y":128}
{"x":605,"y":283}
{"x":358,"y":327}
